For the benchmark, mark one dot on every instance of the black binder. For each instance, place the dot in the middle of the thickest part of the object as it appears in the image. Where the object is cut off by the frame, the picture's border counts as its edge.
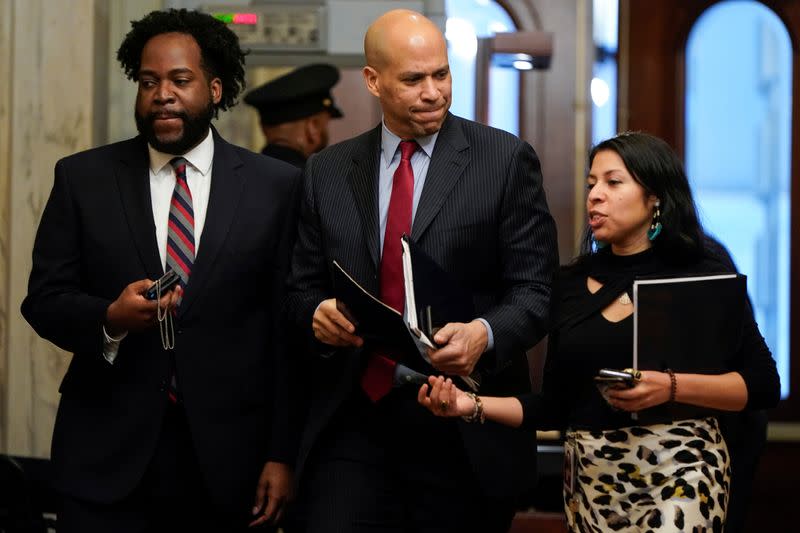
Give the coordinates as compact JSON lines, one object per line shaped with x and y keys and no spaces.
{"x":690,"y":324}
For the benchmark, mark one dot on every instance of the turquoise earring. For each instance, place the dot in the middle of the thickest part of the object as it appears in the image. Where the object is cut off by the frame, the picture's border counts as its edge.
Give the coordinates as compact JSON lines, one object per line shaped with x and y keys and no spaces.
{"x":597,"y":245}
{"x":655,"y":225}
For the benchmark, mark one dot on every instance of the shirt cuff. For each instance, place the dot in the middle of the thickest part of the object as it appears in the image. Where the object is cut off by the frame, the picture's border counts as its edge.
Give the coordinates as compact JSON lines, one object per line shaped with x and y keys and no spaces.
{"x":490,"y":340}
{"x":111,"y":345}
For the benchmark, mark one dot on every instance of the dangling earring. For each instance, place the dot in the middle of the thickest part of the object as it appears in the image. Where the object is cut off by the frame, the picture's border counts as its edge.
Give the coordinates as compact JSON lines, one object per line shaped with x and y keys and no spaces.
{"x":655,"y":225}
{"x":597,"y":245}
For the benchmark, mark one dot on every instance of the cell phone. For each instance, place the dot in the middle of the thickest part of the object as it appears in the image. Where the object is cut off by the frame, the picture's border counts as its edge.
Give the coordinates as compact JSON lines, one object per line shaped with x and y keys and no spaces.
{"x":167,"y":282}
{"x":622,"y":378}
{"x":611,"y":373}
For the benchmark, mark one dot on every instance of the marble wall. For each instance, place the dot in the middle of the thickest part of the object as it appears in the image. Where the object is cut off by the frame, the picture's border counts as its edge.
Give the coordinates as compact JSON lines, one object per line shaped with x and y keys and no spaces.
{"x":49,"y":53}
{"x":5,"y":168}
{"x":55,"y":90}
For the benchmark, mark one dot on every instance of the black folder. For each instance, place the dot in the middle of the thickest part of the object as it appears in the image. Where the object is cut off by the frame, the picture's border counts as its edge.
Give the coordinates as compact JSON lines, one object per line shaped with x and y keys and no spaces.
{"x":433,"y":299}
{"x":689,"y":324}
{"x":437,"y":297}
{"x":381,"y":326}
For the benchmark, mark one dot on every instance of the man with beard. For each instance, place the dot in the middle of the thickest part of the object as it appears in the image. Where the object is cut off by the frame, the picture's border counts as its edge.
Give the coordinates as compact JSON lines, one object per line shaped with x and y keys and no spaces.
{"x":471,"y":198}
{"x":294,"y":111}
{"x":174,"y":412}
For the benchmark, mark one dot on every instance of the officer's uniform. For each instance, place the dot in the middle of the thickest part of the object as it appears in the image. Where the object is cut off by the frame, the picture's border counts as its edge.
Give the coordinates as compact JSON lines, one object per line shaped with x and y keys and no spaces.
{"x":299,"y":94}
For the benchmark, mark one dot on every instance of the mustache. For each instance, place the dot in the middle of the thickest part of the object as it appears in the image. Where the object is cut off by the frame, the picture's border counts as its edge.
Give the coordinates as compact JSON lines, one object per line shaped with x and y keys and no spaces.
{"x":154,"y":115}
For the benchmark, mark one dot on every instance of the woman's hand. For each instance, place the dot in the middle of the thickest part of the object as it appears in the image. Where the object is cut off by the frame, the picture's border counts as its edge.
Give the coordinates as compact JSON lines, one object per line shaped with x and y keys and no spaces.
{"x":445,"y":399}
{"x":652,"y":389}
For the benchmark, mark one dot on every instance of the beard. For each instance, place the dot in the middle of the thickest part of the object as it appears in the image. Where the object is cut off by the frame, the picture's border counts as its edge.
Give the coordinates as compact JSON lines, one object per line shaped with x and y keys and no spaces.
{"x":195,"y":129}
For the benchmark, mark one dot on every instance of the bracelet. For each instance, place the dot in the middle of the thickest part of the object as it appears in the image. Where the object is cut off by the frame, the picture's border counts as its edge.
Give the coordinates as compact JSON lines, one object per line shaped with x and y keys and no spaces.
{"x":673,"y":389}
{"x":477,"y":412}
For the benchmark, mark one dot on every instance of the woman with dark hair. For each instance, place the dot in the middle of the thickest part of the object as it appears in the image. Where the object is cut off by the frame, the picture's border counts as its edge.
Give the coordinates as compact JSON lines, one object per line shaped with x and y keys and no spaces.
{"x":624,"y":477}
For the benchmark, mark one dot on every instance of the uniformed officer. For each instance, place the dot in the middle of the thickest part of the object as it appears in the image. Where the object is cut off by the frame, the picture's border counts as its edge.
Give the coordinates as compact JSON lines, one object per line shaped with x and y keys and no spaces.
{"x":295,"y":110}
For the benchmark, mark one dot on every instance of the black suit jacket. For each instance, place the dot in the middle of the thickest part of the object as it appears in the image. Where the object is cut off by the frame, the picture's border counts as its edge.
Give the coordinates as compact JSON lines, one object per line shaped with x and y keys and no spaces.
{"x":96,"y":236}
{"x":483,"y":217}
{"x":284,"y":153}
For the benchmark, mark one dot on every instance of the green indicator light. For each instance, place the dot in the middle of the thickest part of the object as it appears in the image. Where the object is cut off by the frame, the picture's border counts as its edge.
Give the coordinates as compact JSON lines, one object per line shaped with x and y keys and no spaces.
{"x":227,"y":18}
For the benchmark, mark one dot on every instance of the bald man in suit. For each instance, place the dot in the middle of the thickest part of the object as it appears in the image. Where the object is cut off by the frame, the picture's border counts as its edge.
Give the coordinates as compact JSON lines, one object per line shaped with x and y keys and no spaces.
{"x":471,"y":197}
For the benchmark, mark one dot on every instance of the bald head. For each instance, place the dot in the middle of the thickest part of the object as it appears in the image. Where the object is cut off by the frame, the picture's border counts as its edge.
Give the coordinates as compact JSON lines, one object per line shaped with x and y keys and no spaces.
{"x":398,"y":30}
{"x":407,"y":70}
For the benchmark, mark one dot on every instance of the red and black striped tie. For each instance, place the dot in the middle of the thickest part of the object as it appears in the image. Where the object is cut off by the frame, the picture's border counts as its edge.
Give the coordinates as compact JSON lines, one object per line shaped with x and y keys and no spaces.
{"x":180,"y":240}
{"x":180,"y":229}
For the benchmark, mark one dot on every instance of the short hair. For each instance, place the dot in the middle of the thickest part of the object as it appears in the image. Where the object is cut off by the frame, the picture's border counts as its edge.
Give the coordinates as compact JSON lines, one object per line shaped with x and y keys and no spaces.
{"x":655,"y":166}
{"x":221,"y":55}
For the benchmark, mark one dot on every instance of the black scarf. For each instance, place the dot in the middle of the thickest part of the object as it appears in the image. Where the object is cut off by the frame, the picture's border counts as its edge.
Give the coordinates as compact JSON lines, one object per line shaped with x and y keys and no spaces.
{"x":621,"y":270}
{"x":615,"y":272}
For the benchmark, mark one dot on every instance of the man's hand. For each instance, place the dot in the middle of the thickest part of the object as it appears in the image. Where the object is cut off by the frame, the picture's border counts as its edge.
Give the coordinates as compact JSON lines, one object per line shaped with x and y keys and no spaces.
{"x":131,"y":311}
{"x":463,"y":345}
{"x":274,"y":490}
{"x":331,"y":327}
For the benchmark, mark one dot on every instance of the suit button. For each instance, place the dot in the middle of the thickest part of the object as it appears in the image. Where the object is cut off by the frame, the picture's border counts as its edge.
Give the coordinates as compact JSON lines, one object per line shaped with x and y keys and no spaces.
{"x":163,"y":386}
{"x":180,"y":332}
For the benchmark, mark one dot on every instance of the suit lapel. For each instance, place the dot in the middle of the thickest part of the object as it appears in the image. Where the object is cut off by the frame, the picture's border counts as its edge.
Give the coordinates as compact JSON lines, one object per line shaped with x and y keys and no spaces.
{"x":133,"y":180}
{"x":450,"y":158}
{"x":226,"y":188}
{"x":363,"y":180}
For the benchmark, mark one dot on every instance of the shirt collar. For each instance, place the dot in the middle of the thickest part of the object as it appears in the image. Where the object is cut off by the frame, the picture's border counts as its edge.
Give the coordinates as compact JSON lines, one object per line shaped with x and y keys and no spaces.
{"x":390,"y":142}
{"x":200,"y":157}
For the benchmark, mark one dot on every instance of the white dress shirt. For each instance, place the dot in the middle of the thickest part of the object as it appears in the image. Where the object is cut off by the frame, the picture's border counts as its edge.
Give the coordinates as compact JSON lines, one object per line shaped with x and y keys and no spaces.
{"x":162,"y":182}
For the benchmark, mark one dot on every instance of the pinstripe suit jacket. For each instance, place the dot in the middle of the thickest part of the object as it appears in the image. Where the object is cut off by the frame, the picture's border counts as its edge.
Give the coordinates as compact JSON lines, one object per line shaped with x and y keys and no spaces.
{"x":484,"y":218}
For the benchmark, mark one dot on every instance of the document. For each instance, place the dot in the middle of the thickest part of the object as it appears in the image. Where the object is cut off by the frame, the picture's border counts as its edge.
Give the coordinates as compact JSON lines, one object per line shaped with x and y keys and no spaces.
{"x":690,"y":324}
{"x":433,"y":299}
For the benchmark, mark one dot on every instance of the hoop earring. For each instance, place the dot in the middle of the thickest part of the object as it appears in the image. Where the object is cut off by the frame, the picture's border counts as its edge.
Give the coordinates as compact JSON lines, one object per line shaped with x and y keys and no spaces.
{"x":655,"y":225}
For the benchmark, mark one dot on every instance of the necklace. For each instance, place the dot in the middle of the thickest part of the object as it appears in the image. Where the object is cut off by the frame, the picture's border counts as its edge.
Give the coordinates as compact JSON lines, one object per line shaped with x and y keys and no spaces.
{"x":624,"y":299}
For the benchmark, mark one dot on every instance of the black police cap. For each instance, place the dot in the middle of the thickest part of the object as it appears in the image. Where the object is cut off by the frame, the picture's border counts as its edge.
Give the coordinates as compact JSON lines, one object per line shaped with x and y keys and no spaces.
{"x":298,"y":94}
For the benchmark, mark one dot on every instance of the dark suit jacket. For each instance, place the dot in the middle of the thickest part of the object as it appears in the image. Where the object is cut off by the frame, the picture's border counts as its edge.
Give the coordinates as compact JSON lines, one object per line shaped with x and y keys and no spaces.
{"x":483,"y":217}
{"x":284,"y":153}
{"x":96,"y":236}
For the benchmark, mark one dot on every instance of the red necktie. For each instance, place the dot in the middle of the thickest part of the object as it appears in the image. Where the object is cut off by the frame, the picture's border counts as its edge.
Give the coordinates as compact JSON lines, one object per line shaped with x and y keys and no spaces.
{"x":377,"y":379}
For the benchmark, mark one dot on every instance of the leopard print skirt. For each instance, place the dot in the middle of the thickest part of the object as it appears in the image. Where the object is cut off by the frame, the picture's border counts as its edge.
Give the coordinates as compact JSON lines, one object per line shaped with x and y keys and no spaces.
{"x":663,"y":477}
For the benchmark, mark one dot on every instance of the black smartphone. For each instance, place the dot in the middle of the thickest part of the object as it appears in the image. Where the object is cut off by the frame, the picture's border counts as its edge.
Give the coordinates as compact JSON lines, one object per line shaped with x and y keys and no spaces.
{"x":167,"y":282}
